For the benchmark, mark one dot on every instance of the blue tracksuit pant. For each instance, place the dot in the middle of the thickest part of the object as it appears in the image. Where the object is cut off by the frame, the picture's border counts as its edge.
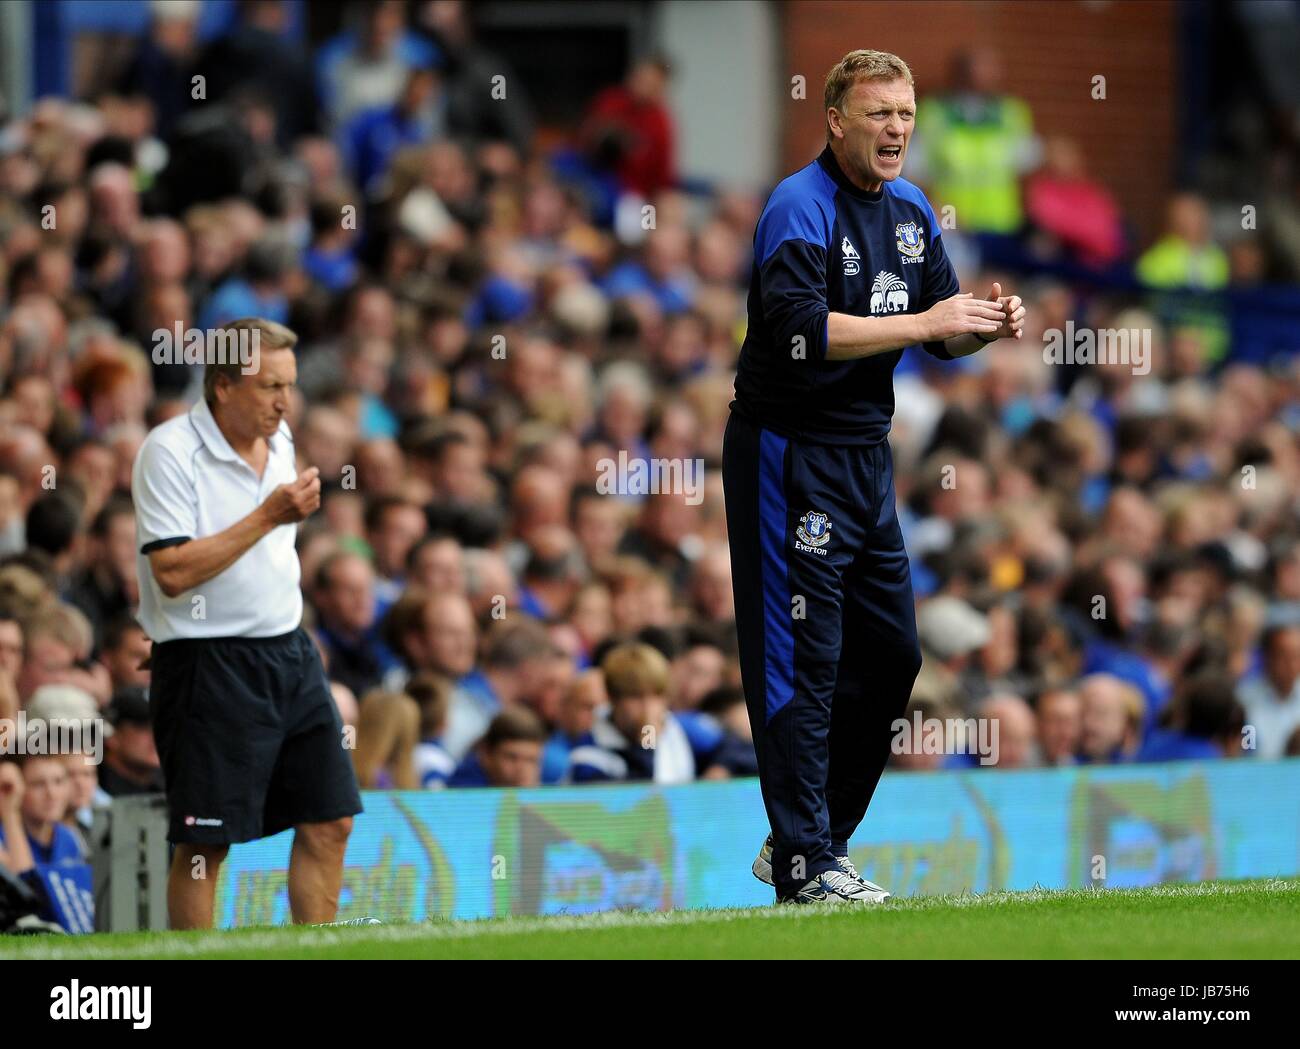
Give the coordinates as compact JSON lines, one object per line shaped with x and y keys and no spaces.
{"x":827,"y":630}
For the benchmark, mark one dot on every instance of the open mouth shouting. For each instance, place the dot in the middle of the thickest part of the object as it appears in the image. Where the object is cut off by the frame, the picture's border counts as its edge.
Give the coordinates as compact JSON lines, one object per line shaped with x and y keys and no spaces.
{"x":890,"y":156}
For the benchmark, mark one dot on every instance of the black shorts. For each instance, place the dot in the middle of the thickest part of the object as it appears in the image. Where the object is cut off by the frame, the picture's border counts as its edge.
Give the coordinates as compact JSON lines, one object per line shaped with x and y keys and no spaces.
{"x":250,"y":740}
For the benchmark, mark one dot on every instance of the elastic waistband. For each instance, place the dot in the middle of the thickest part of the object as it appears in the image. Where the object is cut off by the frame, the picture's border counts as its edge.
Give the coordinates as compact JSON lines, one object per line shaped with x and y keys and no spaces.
{"x":249,"y":642}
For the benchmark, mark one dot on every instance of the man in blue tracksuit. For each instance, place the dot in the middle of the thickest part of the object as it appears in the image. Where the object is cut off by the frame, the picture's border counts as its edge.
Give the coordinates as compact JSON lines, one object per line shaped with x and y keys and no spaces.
{"x":849,"y":269}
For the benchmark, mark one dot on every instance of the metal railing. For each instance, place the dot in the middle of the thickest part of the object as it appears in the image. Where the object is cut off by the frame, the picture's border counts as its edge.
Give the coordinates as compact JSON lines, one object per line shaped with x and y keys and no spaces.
{"x":130,"y":857}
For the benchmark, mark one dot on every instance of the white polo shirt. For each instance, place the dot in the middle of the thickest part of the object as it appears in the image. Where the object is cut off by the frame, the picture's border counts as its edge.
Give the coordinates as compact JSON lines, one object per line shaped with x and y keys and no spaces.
{"x":188,"y":483}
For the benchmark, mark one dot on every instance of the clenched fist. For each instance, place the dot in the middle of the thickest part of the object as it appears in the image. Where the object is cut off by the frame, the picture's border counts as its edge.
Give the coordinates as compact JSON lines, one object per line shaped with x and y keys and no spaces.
{"x":1013,"y":324}
{"x":295,"y":501}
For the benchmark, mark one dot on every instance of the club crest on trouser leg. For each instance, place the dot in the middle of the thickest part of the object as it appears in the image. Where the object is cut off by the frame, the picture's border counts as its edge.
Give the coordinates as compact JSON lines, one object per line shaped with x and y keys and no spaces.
{"x":813,"y":532}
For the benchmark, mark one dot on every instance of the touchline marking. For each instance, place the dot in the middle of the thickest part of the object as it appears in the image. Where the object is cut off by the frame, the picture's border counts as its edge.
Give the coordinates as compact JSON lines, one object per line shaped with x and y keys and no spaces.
{"x":234,"y":940}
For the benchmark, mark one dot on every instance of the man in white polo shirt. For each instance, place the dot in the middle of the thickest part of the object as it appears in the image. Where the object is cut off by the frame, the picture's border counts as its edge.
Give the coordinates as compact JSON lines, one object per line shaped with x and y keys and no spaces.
{"x":250,"y":740}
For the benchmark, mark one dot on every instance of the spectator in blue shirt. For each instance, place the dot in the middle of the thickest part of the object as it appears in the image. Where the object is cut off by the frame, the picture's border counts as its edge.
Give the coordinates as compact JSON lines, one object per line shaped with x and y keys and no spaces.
{"x":1113,"y":713}
{"x":734,"y":754}
{"x":434,"y":764}
{"x":262,"y":291}
{"x":521,"y":666}
{"x":638,"y":738}
{"x":508,"y":755}
{"x":367,"y":64}
{"x":1206,"y":721}
{"x":393,"y":526}
{"x":37,"y":847}
{"x":432,"y":632}
{"x":330,"y":260}
{"x":375,"y":135}
{"x":664,"y":276}
{"x":344,"y":595}
{"x":1115,"y":626}
{"x":573,"y":725}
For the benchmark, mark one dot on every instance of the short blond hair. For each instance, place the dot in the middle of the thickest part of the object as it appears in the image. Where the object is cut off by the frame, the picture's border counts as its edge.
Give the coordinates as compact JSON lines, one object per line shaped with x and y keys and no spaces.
{"x":271,"y":335}
{"x":858,"y":65}
{"x":634,"y":670}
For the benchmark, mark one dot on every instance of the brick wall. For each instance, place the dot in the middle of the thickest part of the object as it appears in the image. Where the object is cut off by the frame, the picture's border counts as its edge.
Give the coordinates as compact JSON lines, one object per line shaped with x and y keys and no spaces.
{"x":1050,"y":52}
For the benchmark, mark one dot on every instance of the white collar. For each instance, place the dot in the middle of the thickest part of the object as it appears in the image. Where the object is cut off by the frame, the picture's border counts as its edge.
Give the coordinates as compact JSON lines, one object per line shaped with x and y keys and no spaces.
{"x":205,"y":424}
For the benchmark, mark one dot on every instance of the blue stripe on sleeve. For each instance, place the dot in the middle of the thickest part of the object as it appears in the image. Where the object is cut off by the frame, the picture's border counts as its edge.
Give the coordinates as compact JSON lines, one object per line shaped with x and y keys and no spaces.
{"x":802,"y":207}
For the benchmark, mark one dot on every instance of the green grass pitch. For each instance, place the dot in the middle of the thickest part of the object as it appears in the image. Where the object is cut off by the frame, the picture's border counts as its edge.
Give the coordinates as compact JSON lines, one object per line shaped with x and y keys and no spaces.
{"x":1243,"y":919}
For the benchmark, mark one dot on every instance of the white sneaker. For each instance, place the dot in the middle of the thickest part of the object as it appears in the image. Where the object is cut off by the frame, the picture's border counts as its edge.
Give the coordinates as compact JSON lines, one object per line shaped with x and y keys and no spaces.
{"x":846,"y":865}
{"x":763,"y":863}
{"x":833,"y":887}
{"x":762,"y":869}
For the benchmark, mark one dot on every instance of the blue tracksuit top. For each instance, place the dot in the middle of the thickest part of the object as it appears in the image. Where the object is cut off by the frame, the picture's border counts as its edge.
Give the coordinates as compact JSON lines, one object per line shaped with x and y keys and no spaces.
{"x":822,"y":245}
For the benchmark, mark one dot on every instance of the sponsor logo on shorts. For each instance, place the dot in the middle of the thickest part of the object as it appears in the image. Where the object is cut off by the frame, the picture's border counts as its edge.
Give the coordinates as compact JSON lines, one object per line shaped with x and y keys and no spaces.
{"x":813,"y":533}
{"x":201,"y":821}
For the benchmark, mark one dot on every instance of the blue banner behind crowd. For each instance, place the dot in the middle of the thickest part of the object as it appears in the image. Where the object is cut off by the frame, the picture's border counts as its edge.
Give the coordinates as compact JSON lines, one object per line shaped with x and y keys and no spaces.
{"x":484,"y":853}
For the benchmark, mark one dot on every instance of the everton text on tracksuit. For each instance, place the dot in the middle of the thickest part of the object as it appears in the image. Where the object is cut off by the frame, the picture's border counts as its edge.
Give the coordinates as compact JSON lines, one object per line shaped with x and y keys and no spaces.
{"x":823,"y":592}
